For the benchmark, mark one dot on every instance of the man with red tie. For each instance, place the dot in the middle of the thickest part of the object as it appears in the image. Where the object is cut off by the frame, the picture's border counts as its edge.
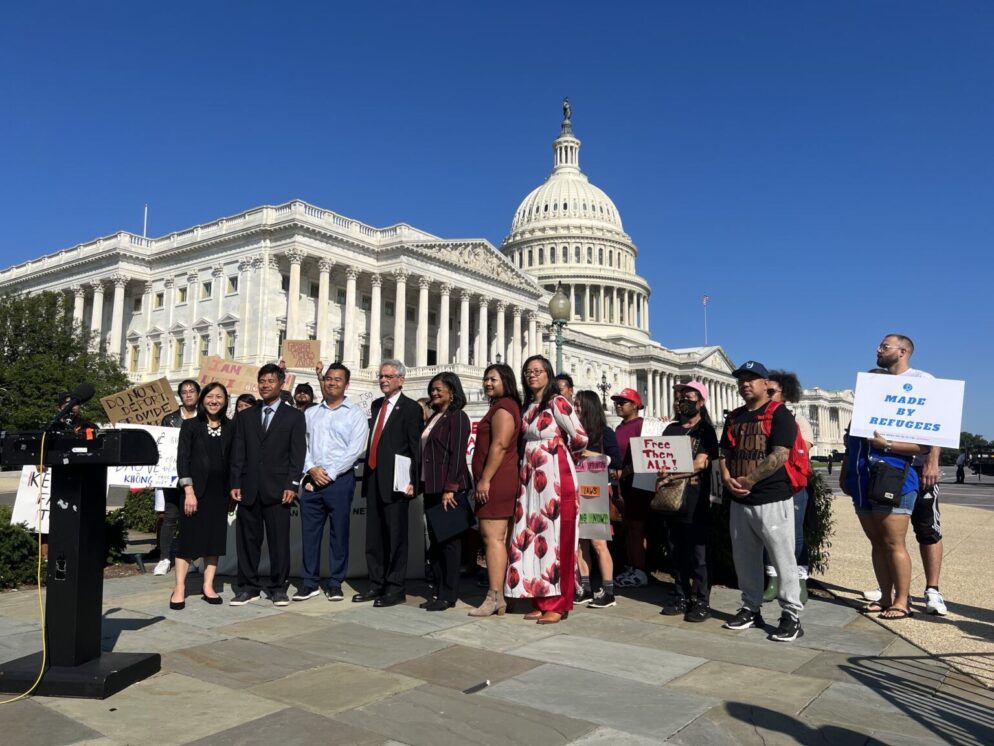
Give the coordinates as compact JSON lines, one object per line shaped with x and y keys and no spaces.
{"x":395,"y":425}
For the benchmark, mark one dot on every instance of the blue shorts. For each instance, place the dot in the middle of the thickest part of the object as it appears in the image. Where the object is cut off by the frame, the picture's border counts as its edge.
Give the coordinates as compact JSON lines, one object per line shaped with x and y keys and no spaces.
{"x":866,"y":505}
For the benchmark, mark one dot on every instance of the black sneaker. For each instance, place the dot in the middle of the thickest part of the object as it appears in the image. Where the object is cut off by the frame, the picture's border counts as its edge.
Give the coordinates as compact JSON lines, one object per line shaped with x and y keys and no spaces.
{"x":789,"y":629}
{"x":305,"y":592}
{"x":744,"y":620}
{"x":676,"y":607}
{"x":603,"y":600}
{"x":279,"y":598}
{"x":581,"y":597}
{"x":334,"y":593}
{"x":244,"y":597}
{"x":698,"y":611}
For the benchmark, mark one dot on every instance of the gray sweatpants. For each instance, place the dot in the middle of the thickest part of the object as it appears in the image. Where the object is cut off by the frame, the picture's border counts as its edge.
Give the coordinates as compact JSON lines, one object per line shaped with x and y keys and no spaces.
{"x":754,"y":527}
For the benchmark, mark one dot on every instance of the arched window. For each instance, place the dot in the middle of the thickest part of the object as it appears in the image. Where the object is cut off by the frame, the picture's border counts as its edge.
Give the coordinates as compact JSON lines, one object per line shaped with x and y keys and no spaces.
{"x":565,"y":254}
{"x":531,"y":258}
{"x":576,"y":254}
{"x":600,"y":256}
{"x":552,"y":255}
{"x":590,"y":255}
{"x":541,"y":255}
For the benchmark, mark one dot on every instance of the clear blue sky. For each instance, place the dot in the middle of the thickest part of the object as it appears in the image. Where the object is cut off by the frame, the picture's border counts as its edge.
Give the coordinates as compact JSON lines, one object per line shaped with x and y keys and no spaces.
{"x":824,"y":171}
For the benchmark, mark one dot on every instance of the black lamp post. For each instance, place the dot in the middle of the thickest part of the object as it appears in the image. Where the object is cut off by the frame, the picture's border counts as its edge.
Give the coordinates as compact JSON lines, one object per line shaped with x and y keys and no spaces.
{"x":559,"y":309}
{"x":604,"y":387}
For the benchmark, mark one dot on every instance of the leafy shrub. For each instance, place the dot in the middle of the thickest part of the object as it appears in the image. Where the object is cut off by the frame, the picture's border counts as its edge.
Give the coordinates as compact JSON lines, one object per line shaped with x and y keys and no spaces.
{"x":115,"y":536}
{"x":18,"y":553}
{"x":139,"y":511}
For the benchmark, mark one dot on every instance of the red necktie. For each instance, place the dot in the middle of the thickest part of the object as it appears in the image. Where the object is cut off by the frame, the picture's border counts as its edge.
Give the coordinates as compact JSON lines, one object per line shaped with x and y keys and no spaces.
{"x":377,"y":431}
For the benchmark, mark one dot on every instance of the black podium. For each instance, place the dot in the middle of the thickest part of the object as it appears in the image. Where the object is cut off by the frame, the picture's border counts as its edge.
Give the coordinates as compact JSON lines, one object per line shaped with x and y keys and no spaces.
{"x":75,"y":666}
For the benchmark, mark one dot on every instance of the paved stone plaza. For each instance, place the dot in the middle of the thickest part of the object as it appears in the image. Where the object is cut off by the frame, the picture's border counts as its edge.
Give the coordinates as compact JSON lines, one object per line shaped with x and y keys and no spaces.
{"x":319,"y":672}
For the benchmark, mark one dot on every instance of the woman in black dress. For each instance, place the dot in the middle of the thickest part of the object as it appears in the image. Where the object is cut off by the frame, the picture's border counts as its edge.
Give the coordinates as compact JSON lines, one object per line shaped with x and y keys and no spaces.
{"x":202,"y":466}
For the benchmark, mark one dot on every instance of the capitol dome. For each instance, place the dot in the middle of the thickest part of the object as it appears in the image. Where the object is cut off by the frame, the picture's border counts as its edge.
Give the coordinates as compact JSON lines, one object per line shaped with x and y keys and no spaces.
{"x":568,"y":231}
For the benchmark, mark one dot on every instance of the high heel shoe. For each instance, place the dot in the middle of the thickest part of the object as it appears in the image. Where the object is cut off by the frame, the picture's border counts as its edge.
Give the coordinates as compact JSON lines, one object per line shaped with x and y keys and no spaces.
{"x":176,"y":605}
{"x":552,"y":617}
{"x":494,"y":603}
{"x":531,"y":616}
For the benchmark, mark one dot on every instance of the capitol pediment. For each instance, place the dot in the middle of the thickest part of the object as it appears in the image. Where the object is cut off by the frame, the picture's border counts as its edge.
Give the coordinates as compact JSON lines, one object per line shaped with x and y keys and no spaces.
{"x":477,"y":257}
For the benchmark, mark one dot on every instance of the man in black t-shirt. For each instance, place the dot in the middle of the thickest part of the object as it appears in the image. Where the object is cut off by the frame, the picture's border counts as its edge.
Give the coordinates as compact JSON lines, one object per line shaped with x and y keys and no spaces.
{"x":755,"y":446}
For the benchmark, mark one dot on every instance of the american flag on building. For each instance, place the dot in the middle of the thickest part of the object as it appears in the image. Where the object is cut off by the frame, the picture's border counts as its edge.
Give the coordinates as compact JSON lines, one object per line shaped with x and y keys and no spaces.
{"x":706,"y":298}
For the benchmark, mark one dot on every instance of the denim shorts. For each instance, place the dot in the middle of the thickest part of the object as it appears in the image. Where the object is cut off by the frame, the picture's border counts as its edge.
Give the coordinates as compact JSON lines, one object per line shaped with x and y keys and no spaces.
{"x":866,"y":505}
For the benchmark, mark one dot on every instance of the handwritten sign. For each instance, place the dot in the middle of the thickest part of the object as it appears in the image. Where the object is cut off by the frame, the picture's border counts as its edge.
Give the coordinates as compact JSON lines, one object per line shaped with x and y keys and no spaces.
{"x":592,"y":485}
{"x":650,"y":454}
{"x":147,"y":403}
{"x":159,"y":475}
{"x":365,"y":402}
{"x":301,"y":353}
{"x":26,"y":504}
{"x":927,"y":411}
{"x":237,"y":378}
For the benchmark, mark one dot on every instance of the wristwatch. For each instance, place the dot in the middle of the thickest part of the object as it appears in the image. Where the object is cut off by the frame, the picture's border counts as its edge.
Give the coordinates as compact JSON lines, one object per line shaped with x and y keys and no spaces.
{"x":888,"y":446}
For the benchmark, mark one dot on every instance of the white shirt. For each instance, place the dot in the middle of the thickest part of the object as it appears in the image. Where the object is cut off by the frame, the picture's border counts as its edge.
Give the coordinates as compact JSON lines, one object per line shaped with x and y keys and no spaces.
{"x":915,"y":373}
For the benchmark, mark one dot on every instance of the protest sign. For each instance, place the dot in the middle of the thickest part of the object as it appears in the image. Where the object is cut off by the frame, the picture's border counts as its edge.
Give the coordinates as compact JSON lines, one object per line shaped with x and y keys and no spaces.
{"x":653,"y":425}
{"x":158,"y":475}
{"x":365,"y":402}
{"x":301,"y":353}
{"x":26,"y":501}
{"x":237,"y":378}
{"x":927,"y":411}
{"x":592,"y":485}
{"x":650,"y":454}
{"x":146,"y":403}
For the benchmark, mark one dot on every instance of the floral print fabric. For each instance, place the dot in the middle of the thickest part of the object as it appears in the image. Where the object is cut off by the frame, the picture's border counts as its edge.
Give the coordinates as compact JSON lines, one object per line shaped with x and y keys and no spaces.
{"x":553,"y":438}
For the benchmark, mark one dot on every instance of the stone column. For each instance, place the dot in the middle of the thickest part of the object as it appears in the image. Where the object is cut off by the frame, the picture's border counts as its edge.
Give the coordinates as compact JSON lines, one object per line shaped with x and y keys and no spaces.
{"x":97,"y":314}
{"x":400,"y":314}
{"x":192,"y":340}
{"x":269,"y":283}
{"x":586,"y":303}
{"x":501,"y":347}
{"x":572,"y":303}
{"x":295,"y":256}
{"x":442,"y":341}
{"x":534,"y":347}
{"x":516,"y":340}
{"x":244,"y":323}
{"x":79,"y":301}
{"x":483,"y":342}
{"x":375,"y":307}
{"x":464,"y":341}
{"x":217,"y":278}
{"x":651,"y":403}
{"x":144,"y":349}
{"x":350,"y":331}
{"x":421,"y":351}
{"x":117,"y":316}
{"x":324,"y":291}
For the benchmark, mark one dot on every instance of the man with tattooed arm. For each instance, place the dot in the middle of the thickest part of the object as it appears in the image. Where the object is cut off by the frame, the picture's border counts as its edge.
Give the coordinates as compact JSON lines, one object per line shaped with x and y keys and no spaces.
{"x":755,"y":445}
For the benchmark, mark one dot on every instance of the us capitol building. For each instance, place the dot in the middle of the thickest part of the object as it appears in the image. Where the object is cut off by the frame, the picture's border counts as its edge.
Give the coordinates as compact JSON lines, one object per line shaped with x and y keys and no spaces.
{"x":238,"y":286}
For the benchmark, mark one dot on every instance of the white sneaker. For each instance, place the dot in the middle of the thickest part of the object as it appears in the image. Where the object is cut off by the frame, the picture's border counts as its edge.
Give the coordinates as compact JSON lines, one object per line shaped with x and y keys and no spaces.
{"x":162,"y":568}
{"x":637,"y":579}
{"x":874,"y":595}
{"x":934,"y":603}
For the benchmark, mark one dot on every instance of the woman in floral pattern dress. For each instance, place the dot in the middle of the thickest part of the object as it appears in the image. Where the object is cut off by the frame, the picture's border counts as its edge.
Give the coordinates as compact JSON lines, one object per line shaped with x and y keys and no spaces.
{"x":542,"y":550}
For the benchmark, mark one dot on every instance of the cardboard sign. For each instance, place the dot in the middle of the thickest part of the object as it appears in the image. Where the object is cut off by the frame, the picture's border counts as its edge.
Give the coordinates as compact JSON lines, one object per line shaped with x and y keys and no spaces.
{"x":592,"y":485}
{"x":927,"y":411}
{"x":301,"y":353}
{"x":146,"y":403}
{"x":162,"y":474}
{"x":650,"y":454}
{"x":653,"y":425}
{"x":26,"y":502}
{"x":237,"y":378}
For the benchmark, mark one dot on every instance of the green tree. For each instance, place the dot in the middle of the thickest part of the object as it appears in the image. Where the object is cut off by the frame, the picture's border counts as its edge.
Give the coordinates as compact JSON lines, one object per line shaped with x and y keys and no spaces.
{"x":969,"y":441}
{"x":43,"y":352}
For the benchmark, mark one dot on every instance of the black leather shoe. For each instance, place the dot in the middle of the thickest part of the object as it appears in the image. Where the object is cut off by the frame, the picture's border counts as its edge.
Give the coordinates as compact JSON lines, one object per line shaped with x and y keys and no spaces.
{"x":391,"y":599}
{"x":361,"y":598}
{"x":439,"y":604}
{"x":425,"y":604}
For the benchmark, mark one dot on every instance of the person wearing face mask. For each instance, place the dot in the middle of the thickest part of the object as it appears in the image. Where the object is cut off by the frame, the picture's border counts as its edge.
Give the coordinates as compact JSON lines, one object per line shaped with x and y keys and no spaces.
{"x":690,"y":530}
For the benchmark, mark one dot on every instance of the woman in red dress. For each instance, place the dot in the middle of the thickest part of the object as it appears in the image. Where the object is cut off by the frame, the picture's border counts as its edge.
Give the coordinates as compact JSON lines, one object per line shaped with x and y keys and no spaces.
{"x":497,"y":477}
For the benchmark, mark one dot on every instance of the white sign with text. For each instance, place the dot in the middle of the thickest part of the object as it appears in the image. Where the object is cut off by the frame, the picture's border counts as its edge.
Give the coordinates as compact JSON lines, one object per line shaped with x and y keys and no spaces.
{"x":927,"y":411}
{"x":651,"y":454}
{"x":160,"y":475}
{"x":26,"y":504}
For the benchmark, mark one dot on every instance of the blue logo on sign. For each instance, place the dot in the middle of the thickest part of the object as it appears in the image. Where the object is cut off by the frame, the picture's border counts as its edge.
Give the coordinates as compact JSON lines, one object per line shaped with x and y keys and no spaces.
{"x":907,"y":387}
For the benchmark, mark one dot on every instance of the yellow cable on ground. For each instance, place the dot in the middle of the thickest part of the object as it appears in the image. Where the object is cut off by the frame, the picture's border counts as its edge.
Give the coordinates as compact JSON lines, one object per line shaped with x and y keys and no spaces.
{"x":41,"y":607}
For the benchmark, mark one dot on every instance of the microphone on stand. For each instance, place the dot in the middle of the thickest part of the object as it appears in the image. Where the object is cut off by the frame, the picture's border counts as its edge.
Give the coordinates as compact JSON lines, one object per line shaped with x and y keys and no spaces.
{"x":80,"y":395}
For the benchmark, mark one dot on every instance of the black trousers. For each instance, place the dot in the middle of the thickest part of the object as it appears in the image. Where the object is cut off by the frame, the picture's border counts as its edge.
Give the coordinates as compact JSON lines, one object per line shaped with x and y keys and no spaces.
{"x":386,"y":541}
{"x":250,"y":523}
{"x":445,"y":558}
{"x":690,"y":558}
{"x":170,"y":521}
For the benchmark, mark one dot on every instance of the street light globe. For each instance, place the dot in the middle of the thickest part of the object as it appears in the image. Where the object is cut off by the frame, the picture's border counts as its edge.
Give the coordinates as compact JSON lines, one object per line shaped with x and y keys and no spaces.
{"x":559,"y":305}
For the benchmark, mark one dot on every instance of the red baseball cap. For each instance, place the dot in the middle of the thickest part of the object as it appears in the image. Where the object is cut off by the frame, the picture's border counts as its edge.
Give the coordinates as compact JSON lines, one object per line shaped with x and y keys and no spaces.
{"x":628,"y":395}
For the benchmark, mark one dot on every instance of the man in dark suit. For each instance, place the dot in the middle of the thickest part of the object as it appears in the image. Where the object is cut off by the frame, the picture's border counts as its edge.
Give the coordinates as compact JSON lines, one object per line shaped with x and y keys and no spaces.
{"x":267,"y":461}
{"x":395,"y":428}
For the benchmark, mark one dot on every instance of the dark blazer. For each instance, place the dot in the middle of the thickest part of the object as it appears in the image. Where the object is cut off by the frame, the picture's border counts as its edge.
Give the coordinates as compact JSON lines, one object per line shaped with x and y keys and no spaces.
{"x":191,"y":456}
{"x":443,"y":456}
{"x":400,"y":437}
{"x":263,"y":464}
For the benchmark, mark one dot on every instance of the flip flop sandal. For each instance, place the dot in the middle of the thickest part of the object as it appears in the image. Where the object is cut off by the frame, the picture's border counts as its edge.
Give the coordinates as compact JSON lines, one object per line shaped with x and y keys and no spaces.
{"x":873,"y":607}
{"x":901,"y":613}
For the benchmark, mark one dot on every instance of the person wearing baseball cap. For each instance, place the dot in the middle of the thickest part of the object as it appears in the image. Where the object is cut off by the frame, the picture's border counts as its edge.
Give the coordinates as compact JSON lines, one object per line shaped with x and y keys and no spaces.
{"x":627,"y":404}
{"x":754,"y":449}
{"x":690,"y":528}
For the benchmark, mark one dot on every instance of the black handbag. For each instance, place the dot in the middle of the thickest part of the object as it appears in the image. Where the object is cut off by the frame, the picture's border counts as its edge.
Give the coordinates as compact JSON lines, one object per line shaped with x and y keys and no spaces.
{"x":887,"y":483}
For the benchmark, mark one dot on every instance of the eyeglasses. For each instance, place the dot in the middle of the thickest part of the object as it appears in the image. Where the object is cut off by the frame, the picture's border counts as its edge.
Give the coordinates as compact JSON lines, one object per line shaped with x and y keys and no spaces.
{"x":885,"y":347}
{"x":534,"y":373}
{"x":622,"y":402}
{"x":389,"y":375}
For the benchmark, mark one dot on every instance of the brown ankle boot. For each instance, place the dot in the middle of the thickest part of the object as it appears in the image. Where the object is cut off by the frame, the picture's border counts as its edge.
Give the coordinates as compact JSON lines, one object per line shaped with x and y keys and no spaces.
{"x":494,"y":603}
